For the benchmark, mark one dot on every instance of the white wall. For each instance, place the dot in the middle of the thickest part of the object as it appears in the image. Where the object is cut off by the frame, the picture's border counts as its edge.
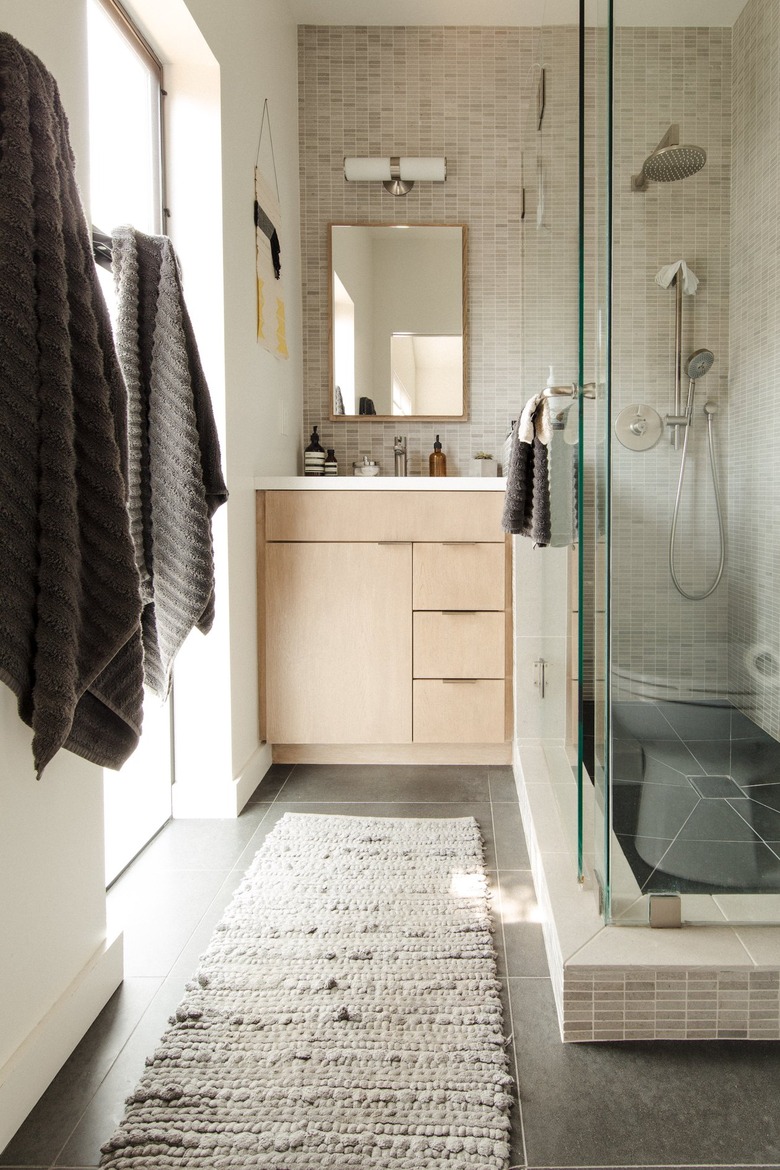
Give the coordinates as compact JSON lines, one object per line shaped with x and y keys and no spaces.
{"x":55,"y":970}
{"x":221,"y":63}
{"x":255,"y":46}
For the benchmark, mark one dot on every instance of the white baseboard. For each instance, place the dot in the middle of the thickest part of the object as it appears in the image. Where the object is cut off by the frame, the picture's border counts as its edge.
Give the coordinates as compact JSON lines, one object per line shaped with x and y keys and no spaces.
{"x":221,"y":799}
{"x":30,"y":1069}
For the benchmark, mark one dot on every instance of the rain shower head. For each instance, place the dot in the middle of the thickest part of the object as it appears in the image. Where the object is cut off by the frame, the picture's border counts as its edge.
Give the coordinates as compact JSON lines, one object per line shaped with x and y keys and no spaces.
{"x":673,"y":163}
{"x":699,"y":363}
{"x":669,"y":161}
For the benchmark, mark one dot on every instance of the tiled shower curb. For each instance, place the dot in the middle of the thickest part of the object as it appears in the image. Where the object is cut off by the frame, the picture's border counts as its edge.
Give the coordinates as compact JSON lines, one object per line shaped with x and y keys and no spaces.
{"x":630,"y":982}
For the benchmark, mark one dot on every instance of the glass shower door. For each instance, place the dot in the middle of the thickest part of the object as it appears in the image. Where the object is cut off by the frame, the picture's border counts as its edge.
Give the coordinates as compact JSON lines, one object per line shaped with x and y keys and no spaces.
{"x":594,"y":451}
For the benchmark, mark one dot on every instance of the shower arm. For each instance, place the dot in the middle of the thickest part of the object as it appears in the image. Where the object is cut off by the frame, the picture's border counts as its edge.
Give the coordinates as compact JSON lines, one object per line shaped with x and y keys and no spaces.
{"x":670,"y":138}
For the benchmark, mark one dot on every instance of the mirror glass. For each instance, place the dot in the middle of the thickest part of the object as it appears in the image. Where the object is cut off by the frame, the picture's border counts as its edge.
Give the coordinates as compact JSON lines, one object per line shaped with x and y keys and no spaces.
{"x":397,"y":321}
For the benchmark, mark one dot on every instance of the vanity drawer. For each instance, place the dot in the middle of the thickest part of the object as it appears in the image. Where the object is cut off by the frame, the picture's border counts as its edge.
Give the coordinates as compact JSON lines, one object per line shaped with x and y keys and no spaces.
{"x":461,"y":644}
{"x":458,"y":712}
{"x":458,"y":576}
{"x":374,"y":515}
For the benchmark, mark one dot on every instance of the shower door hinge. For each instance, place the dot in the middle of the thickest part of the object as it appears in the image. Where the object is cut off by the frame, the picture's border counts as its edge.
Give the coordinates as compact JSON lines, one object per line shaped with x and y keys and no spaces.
{"x":665,"y":911}
{"x":540,"y":676}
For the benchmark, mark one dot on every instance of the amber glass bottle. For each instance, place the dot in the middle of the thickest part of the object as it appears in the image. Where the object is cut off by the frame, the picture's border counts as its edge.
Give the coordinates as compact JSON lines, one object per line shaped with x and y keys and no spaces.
{"x":437,"y":460}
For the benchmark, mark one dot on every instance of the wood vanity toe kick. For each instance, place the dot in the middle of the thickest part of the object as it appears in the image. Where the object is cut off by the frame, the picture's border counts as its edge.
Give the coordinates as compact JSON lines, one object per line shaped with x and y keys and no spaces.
{"x":392,"y":753}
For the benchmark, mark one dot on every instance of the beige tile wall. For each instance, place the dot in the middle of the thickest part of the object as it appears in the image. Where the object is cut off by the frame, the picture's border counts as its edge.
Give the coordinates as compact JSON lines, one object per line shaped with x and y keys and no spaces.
{"x":664,"y":76}
{"x":467,"y":94}
{"x":670,"y":1003}
{"x":754,"y":406}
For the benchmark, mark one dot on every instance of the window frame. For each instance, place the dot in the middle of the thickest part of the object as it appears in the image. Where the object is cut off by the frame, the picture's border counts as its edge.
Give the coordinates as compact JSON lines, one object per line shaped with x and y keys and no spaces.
{"x":133,"y":34}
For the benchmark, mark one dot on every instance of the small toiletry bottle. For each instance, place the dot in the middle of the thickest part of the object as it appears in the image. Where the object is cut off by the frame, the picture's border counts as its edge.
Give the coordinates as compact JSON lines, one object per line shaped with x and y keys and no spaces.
{"x":314,"y":456}
{"x":399,"y":452}
{"x":437,"y":460}
{"x":331,"y":464}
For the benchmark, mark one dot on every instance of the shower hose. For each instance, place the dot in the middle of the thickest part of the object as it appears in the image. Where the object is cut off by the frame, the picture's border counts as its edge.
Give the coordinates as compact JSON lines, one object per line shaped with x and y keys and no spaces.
{"x":721,"y":530}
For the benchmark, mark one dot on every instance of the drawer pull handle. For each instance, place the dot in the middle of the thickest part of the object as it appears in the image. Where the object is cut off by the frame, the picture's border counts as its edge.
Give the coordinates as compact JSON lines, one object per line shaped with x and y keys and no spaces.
{"x":382,"y":542}
{"x":458,"y":612}
{"x":458,"y":543}
{"x":460,"y":680}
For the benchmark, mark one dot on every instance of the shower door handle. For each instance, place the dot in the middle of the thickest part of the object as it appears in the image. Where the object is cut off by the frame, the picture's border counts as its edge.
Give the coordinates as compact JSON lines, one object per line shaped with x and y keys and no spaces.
{"x":540,"y":676}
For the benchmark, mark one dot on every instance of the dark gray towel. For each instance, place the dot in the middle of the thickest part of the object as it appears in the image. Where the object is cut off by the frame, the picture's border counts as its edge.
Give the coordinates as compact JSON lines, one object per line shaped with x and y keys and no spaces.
{"x":175,"y":474}
{"x":527,"y":499}
{"x":70,"y":611}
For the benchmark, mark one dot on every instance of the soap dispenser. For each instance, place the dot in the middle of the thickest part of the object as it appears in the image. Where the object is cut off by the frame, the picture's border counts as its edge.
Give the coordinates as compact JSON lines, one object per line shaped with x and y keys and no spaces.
{"x":437,"y":460}
{"x":314,"y":456}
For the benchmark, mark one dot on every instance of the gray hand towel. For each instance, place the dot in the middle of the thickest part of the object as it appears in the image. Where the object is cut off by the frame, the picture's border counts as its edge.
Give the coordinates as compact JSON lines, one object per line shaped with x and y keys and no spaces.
{"x":175,"y":476}
{"x":527,"y":499}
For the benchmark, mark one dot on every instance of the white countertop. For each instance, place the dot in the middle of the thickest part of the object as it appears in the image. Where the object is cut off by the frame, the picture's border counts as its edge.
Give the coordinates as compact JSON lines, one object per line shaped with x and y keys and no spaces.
{"x":379,"y":483}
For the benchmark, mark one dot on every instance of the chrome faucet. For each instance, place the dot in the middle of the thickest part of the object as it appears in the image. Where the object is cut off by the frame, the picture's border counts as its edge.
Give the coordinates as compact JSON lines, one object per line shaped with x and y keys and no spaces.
{"x":399,"y":451}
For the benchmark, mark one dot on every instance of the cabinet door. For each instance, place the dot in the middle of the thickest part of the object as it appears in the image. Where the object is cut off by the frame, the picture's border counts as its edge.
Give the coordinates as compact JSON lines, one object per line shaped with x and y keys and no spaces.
{"x":339,"y":643}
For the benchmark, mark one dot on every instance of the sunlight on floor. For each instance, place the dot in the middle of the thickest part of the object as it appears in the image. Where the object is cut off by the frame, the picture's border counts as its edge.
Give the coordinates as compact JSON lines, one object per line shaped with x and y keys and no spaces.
{"x":467,"y":885}
{"x":519,"y":906}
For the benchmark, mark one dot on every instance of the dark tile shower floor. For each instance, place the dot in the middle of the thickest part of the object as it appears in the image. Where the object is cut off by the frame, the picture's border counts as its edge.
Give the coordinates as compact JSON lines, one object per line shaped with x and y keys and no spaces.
{"x":696,"y":798}
{"x":631,"y":1105}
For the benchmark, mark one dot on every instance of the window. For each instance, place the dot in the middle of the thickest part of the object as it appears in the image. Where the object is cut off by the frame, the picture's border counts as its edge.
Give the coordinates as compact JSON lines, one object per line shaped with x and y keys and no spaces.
{"x":125,"y":124}
{"x":125,"y":163}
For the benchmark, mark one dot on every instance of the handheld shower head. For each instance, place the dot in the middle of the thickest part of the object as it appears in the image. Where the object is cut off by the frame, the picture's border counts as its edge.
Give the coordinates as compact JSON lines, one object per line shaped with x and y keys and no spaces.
{"x":699,"y":363}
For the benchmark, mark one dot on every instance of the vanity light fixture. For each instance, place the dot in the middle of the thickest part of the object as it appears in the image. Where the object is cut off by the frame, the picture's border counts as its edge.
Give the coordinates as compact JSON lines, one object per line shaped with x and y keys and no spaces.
{"x":397,"y":175}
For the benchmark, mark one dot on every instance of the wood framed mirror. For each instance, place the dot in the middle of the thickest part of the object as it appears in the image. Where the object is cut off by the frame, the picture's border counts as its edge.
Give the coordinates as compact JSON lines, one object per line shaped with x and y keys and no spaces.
{"x":398,"y":322}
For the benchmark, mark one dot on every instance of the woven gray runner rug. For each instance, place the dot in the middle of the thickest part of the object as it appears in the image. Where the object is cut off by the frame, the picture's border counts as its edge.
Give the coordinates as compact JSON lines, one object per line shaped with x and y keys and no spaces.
{"x":346,"y":1013}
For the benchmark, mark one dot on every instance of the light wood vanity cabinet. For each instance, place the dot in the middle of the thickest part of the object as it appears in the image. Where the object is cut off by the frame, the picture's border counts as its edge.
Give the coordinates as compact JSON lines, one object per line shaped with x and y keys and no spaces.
{"x":384,"y":623}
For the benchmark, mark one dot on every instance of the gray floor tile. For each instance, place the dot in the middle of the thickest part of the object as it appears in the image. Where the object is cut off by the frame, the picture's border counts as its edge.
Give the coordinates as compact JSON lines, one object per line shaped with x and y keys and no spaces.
{"x":271,"y":784}
{"x":403,"y":783}
{"x":107,"y":1106}
{"x":729,"y":865}
{"x":698,"y":720}
{"x":713,"y":755}
{"x":673,"y":753}
{"x":198,"y":844}
{"x":517,"y":919}
{"x":633,"y":1104}
{"x":641,"y":720}
{"x":501,"y":779}
{"x":511,"y":849}
{"x":59,"y":1110}
{"x":613,"y":1106}
{"x":755,"y":761}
